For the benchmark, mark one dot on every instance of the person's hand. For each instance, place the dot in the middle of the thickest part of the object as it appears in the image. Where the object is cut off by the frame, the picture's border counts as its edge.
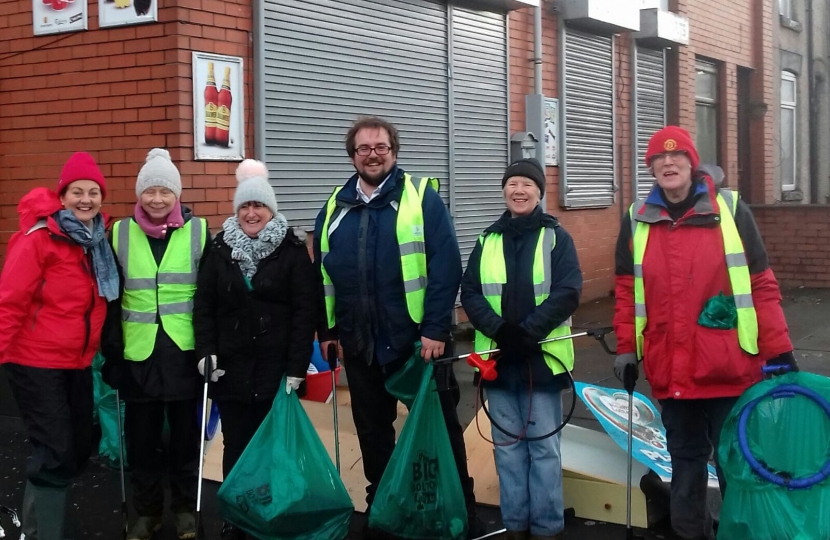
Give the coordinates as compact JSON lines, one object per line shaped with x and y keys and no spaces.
{"x":293,"y":383}
{"x":324,"y":350}
{"x":214,"y":373}
{"x":515,"y":342}
{"x":431,"y":348}
{"x":115,"y":373}
{"x":786,"y":361}
{"x":627,"y":375}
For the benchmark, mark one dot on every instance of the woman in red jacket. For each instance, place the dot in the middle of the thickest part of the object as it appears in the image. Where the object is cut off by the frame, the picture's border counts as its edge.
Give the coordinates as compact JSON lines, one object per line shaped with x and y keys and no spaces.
{"x":672,"y":268}
{"x":58,"y":276}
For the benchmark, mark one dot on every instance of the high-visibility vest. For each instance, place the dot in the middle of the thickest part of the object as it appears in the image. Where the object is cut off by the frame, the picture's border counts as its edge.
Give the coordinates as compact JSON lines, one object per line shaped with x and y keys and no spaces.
{"x":410,"y":232}
{"x":735,"y":263}
{"x":493,"y":276}
{"x":158,"y":292}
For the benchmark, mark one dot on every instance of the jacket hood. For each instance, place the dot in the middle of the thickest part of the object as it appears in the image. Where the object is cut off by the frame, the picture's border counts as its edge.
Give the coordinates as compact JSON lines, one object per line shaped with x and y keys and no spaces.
{"x":37,"y":204}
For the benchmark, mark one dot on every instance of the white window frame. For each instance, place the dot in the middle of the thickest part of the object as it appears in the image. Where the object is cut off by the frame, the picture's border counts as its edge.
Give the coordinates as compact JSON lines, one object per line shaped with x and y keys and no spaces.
{"x":710,"y":102}
{"x":789,"y":77}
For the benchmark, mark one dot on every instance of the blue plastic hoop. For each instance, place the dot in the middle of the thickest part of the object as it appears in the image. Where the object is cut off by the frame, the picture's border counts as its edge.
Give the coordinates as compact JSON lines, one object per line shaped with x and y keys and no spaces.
{"x":785,"y":390}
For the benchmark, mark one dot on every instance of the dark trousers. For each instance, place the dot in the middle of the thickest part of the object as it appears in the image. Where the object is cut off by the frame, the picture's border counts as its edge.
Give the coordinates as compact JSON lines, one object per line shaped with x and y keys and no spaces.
{"x":151,"y":460}
{"x":374,"y":411}
{"x":240,"y":422}
{"x":56,"y":407}
{"x":693,"y":428}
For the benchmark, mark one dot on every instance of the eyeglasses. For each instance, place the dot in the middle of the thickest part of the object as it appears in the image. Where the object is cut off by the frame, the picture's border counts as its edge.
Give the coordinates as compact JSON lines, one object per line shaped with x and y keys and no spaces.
{"x":365,"y":149}
{"x":673,"y":155}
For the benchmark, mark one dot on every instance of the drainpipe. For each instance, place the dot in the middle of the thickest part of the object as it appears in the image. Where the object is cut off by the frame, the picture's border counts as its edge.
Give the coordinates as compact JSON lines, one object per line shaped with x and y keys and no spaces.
{"x":537,"y":49}
{"x":812,"y":122}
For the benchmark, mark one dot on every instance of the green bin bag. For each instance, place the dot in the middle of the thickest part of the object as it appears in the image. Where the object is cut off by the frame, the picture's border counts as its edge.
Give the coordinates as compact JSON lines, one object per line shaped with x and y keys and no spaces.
{"x":720,"y":313}
{"x":284,"y":486}
{"x":789,"y":436}
{"x":419,"y":496}
{"x":405,"y":383}
{"x":105,"y":412}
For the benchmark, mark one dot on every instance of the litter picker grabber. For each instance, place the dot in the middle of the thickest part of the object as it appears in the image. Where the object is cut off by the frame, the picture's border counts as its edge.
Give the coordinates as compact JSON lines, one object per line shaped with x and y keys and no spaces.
{"x":203,"y":421}
{"x":332,"y":359}
{"x":12,"y":514}
{"x":124,"y":515}
{"x":629,"y":382}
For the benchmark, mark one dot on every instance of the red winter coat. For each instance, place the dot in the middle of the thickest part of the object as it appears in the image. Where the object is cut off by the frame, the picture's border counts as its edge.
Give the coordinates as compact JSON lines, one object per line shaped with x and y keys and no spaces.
{"x":50,"y":311}
{"x":683,"y":267}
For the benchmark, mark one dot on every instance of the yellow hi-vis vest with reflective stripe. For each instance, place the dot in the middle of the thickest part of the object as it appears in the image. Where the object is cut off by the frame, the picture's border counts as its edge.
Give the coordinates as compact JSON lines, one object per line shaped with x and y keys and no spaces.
{"x":735,"y":263}
{"x":164,"y":291}
{"x":410,"y":232}
{"x":493,"y":278}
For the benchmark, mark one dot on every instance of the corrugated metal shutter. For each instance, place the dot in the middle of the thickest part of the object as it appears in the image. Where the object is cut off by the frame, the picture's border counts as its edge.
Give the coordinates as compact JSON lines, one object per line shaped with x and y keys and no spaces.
{"x":589,"y":120}
{"x":651,"y":109}
{"x":327,"y":62}
{"x":479,"y":89}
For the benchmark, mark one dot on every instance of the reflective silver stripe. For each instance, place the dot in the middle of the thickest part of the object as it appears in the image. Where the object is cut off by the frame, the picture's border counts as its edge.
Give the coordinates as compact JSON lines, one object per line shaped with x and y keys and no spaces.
{"x":137,"y":316}
{"x":638,"y":205}
{"x":491,"y":289}
{"x":735,"y":260}
{"x":328,"y":290}
{"x":177,"y":279}
{"x":411,"y":248}
{"x":135,"y":284}
{"x":394,"y":205}
{"x":195,"y":249}
{"x":638,"y":271}
{"x":323,"y":255}
{"x":639,"y":310}
{"x":176,"y":308}
{"x":340,"y":214}
{"x":416,"y":284}
{"x":743,"y":301}
{"x":568,"y":322}
{"x":548,"y":241}
{"x":728,"y":196}
{"x":123,"y":251}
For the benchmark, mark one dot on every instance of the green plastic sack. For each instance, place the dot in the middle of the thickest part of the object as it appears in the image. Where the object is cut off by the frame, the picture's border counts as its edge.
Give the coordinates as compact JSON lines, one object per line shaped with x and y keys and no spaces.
{"x":405,"y":383}
{"x":792,"y":434}
{"x":284,"y":486}
{"x":419,"y":496}
{"x":104,"y":413}
{"x":720,"y":313}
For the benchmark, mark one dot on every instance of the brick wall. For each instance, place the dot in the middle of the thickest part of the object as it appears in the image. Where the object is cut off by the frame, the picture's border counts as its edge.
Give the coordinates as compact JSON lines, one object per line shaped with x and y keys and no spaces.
{"x":797,"y":240}
{"x":115,"y":93}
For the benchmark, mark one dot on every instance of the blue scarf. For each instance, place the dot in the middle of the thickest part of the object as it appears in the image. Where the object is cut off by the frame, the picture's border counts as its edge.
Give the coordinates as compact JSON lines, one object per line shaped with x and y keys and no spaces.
{"x":103,"y":262}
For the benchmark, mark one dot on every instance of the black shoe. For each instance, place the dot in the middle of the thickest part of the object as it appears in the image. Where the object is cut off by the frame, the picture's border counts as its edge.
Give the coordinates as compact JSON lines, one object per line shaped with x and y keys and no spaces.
{"x":231,"y":532}
{"x":475,"y":528}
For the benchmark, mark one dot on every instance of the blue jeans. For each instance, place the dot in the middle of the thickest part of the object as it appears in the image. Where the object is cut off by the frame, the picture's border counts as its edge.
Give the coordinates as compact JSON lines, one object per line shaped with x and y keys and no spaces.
{"x":530,"y":473}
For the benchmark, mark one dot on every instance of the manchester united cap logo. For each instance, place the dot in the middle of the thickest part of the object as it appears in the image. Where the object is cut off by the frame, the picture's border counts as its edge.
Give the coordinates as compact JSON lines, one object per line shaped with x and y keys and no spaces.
{"x":670,"y":145}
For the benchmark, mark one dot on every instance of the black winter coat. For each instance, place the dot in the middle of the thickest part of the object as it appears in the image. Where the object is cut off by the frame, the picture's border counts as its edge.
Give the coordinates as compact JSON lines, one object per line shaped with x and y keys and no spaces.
{"x":258,"y":335}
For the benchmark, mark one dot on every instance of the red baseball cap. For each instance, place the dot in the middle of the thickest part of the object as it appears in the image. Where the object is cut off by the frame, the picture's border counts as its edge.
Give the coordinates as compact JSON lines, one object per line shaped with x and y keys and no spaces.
{"x":672,"y":139}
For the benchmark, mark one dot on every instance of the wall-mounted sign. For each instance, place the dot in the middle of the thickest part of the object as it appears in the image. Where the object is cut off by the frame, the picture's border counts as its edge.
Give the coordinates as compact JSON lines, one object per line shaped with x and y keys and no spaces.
{"x":58,"y":16}
{"x":551,"y":132}
{"x":126,"y":12}
{"x":218,"y":112}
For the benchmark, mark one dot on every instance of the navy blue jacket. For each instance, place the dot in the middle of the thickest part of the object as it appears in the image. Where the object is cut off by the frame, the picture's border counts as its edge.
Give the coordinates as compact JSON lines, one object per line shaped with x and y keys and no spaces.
{"x":520,"y":236}
{"x":364,"y":263}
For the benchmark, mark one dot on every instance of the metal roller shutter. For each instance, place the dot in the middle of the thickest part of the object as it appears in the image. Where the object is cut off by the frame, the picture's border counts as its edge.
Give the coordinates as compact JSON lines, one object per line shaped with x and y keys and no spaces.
{"x":651,"y":110}
{"x":479,"y":121}
{"x":327,"y":62}
{"x":589,"y":176}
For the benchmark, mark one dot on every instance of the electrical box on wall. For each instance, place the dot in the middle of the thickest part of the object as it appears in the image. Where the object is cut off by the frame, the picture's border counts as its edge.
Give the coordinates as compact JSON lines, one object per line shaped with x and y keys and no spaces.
{"x":535,"y":123}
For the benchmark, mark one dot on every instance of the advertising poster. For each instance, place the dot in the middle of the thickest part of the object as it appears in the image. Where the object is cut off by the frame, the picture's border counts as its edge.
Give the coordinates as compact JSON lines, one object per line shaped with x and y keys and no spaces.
{"x":218,"y":120}
{"x":58,"y":16}
{"x":610,"y":407}
{"x":126,"y":12}
{"x":551,"y":132}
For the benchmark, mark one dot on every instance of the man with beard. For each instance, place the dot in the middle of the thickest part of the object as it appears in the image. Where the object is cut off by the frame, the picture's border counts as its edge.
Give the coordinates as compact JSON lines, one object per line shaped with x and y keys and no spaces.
{"x":390,"y":269}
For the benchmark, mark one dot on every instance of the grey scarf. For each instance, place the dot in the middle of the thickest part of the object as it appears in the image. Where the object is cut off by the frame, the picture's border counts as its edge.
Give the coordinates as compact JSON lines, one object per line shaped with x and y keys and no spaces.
{"x":249,"y":251}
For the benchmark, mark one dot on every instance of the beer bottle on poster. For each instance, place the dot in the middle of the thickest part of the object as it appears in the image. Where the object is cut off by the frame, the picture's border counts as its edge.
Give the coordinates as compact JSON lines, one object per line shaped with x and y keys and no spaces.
{"x":223,"y":111}
{"x":211,"y":105}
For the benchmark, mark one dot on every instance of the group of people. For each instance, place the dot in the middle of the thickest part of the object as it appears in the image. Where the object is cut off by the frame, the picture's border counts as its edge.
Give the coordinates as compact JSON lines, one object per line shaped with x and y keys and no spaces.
{"x":163,"y":301}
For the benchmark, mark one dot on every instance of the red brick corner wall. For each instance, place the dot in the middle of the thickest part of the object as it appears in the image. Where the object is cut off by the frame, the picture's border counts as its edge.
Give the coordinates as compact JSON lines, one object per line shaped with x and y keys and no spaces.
{"x":116,"y":93}
{"x":798,"y":243}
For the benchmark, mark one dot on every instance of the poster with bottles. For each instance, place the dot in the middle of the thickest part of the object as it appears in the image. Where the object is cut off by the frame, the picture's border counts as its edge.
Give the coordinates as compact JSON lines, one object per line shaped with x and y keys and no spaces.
{"x":218,"y":111}
{"x":126,"y":12}
{"x":58,"y":16}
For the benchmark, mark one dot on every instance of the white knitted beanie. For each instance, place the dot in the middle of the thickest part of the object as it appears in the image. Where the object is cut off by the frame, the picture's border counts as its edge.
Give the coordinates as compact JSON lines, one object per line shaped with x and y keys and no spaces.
{"x":159,"y":170}
{"x":252,"y":176}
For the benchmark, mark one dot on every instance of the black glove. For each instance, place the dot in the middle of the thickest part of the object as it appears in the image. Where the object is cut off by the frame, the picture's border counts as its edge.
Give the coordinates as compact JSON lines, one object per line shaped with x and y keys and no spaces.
{"x":302,"y":389}
{"x":786,"y":359}
{"x":515,"y":342}
{"x":115,"y":372}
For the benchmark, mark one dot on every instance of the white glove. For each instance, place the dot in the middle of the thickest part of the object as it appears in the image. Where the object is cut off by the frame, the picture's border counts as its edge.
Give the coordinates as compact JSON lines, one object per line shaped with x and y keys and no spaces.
{"x":214,"y":373}
{"x":292,"y":383}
